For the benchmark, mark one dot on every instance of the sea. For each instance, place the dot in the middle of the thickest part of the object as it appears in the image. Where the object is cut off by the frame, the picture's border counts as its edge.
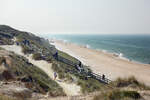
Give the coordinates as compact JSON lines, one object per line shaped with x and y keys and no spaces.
{"x":131,"y":47}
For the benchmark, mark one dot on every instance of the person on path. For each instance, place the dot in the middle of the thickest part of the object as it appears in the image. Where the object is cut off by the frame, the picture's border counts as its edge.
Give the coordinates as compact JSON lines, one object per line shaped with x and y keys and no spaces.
{"x":55,"y":75}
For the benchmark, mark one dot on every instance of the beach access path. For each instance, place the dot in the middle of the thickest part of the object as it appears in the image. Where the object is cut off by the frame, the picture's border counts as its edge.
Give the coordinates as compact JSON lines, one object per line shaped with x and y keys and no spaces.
{"x":106,"y":63}
{"x":71,"y":89}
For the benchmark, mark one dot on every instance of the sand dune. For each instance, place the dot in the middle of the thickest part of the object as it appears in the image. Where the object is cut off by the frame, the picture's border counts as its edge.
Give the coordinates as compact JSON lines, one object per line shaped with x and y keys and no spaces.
{"x":71,"y":89}
{"x":105,"y":63}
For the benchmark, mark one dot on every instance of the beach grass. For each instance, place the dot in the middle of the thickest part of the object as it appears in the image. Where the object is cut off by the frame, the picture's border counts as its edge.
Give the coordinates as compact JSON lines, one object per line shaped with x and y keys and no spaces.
{"x":4,"y":97}
{"x":66,"y":72}
{"x":90,"y":85}
{"x":130,"y":82}
{"x":118,"y":95}
{"x":37,"y":56}
{"x":40,"y":81}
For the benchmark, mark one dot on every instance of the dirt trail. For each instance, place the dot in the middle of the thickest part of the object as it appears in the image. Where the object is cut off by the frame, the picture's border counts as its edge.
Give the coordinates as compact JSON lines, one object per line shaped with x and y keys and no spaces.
{"x":71,"y":89}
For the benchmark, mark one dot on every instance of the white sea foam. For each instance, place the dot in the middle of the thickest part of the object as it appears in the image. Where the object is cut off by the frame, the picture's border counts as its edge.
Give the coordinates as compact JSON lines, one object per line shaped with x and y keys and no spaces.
{"x":121,"y":56}
{"x":88,"y":46}
{"x":105,"y":51}
{"x":65,"y":41}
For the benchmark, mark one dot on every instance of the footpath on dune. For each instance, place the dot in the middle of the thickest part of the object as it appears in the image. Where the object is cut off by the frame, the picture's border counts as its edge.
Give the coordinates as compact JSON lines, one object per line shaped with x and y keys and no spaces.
{"x":71,"y":89}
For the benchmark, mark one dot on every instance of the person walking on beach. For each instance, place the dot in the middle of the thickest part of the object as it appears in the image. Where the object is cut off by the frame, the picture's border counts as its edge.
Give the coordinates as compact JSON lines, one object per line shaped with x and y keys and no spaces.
{"x":103,"y":77}
{"x":80,"y":63}
{"x":55,"y":75}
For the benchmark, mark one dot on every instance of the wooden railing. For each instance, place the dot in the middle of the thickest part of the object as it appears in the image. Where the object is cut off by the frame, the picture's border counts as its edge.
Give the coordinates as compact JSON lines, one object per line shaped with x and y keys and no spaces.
{"x":101,"y":78}
{"x":98,"y":77}
{"x":64,"y":60}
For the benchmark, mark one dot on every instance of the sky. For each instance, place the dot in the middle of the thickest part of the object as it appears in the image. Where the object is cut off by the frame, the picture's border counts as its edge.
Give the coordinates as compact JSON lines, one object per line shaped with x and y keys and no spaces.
{"x":77,"y":16}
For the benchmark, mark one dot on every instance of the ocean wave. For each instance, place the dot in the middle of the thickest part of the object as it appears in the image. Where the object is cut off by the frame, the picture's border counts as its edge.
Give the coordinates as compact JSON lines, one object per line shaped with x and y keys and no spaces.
{"x":102,"y":50}
{"x":65,"y":41}
{"x":105,"y":51}
{"x":121,"y":56}
{"x":87,"y":46}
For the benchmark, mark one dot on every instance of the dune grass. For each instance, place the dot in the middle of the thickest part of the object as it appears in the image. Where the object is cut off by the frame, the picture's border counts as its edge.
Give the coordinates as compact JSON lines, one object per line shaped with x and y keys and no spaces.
{"x":90,"y":85}
{"x":4,"y":97}
{"x":118,"y":95}
{"x":66,"y":72}
{"x":39,"y":80}
{"x":130,"y":82}
{"x":37,"y":56}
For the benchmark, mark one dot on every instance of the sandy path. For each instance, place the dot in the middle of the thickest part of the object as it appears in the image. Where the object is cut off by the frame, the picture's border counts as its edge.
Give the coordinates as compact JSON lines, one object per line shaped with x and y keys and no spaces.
{"x":100,"y":62}
{"x":70,"y":89}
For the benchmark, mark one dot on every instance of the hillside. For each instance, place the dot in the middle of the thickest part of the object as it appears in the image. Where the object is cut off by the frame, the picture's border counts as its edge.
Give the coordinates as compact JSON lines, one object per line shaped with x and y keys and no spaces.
{"x":33,"y":45}
{"x":27,"y":64}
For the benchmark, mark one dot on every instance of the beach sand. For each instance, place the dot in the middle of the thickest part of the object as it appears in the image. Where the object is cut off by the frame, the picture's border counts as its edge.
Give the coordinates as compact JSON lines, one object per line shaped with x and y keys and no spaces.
{"x":106,"y":63}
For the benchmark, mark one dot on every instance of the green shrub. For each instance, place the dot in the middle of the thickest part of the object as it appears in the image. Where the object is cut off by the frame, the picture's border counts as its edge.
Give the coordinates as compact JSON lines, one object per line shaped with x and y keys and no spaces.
{"x":40,"y":80}
{"x":131,"y":81}
{"x":90,"y":85}
{"x":2,"y":59}
{"x":118,"y":95}
{"x":26,"y":50}
{"x":114,"y":95}
{"x":87,"y":84}
{"x":37,"y":56}
{"x":4,"y":97}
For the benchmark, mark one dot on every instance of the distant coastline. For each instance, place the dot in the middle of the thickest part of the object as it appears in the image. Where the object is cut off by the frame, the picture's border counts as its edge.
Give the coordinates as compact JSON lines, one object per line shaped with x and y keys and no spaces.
{"x":130,"y":47}
{"x":117,"y":54}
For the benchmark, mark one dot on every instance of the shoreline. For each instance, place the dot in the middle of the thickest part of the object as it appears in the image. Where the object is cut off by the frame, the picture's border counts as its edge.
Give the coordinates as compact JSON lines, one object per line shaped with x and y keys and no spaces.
{"x":105,"y":63}
{"x":118,"y":55}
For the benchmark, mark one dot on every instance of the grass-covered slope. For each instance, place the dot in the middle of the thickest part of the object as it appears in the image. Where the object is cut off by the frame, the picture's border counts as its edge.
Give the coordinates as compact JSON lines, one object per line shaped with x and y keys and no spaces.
{"x":130,"y":82}
{"x":118,"y":95}
{"x":41,"y":49}
{"x":18,"y":68}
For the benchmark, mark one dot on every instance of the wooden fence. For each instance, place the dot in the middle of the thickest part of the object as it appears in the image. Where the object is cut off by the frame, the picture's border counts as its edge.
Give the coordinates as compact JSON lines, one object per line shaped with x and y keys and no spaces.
{"x":98,"y":77}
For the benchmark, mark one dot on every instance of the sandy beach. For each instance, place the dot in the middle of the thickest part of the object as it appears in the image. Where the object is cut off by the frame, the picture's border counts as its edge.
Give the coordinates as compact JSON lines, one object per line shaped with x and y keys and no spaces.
{"x":106,"y":63}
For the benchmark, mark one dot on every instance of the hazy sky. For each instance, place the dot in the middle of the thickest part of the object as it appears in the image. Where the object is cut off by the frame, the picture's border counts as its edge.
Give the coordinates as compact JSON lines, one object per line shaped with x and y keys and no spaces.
{"x":77,"y":16}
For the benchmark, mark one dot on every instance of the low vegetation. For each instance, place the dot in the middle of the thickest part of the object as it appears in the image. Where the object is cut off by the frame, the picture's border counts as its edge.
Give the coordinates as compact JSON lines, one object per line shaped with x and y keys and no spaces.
{"x":62,"y":70}
{"x":26,"y":50}
{"x":120,"y":90}
{"x":67,"y":72}
{"x":130,"y":82}
{"x":90,"y":85}
{"x":1,"y":60}
{"x":3,"y":97}
{"x":37,"y":56}
{"x":118,"y":95}
{"x":5,"y":41}
{"x":34,"y":78}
